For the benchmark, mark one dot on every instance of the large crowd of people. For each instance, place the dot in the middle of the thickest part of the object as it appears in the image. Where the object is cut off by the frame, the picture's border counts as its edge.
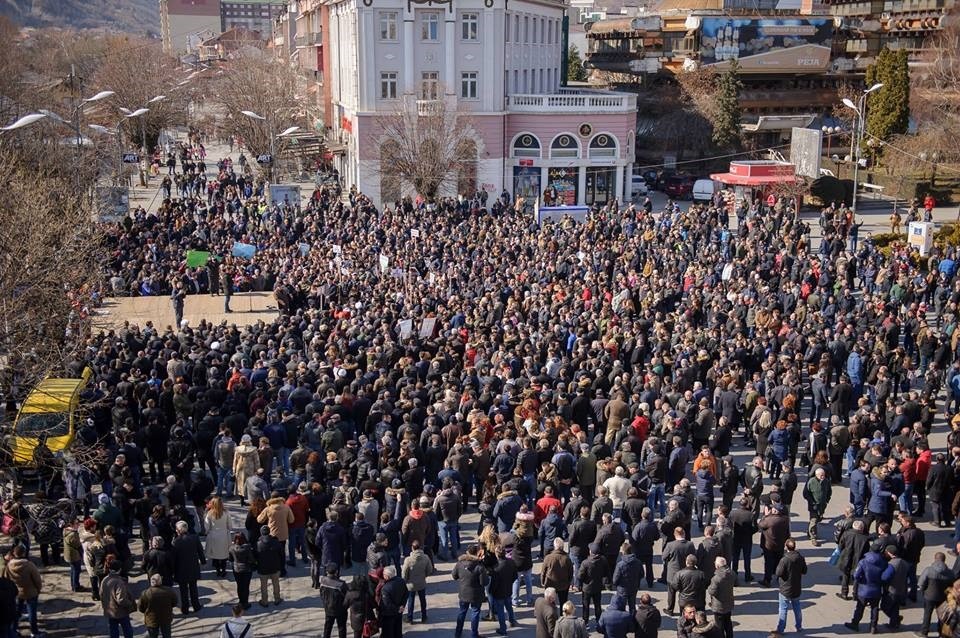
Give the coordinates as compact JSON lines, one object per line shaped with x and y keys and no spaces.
{"x":582,"y":394}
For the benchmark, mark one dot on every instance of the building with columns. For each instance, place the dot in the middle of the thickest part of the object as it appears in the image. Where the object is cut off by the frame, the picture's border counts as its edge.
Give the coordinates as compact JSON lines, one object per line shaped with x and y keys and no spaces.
{"x":499,"y":61}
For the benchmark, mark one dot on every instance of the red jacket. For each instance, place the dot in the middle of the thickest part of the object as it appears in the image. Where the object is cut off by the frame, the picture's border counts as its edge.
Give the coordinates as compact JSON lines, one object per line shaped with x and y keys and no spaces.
{"x":922,"y":465}
{"x":909,"y":470}
{"x":300,"y":507}
{"x":542,"y":508}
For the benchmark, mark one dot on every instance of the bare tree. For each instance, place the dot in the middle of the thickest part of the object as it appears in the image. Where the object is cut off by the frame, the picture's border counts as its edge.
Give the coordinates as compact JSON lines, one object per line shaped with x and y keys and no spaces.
{"x":427,"y":144}
{"x":259,"y":83}
{"x":698,"y":86}
{"x":49,"y":251}
{"x":137,"y":71}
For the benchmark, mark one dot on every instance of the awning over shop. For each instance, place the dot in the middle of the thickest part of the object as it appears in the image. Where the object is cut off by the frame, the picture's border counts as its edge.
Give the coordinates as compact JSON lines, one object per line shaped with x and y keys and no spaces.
{"x":747,"y":180}
{"x":757,"y":173}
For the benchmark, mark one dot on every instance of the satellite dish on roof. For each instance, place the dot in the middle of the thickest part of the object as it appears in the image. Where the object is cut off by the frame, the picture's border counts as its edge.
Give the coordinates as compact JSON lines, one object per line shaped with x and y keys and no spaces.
{"x":692,"y":23}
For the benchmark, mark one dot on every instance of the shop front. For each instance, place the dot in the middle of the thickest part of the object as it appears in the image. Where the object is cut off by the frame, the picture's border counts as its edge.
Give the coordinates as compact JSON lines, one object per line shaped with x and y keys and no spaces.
{"x":756,"y":180}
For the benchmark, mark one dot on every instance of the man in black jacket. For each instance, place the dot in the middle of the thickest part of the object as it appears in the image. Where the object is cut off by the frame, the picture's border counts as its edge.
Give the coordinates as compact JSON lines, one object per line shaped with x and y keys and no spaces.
{"x":333,"y":592}
{"x":471,"y":577}
{"x":744,"y":526}
{"x":269,"y":565}
{"x":644,"y":535}
{"x":910,"y":542}
{"x":187,"y":558}
{"x":594,"y":570}
{"x":691,"y":585}
{"x":790,"y":571}
{"x":853,"y":545}
{"x":582,"y":532}
{"x":393,"y":595}
{"x":648,"y":618}
{"x":501,"y":584}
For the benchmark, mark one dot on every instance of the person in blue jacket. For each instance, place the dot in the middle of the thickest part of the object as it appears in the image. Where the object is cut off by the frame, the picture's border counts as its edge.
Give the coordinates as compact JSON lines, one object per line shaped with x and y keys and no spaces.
{"x":780,"y":440}
{"x":615,"y":621}
{"x":860,"y":488}
{"x":880,"y":505}
{"x":871,"y":576}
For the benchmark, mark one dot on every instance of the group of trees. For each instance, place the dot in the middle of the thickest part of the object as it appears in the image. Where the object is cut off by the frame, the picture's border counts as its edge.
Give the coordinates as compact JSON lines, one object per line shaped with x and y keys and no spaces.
{"x":714,"y":96}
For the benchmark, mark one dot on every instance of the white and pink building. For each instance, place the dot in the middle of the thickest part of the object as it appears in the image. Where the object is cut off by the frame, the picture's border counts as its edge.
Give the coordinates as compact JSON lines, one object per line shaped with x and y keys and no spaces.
{"x":498,"y":60}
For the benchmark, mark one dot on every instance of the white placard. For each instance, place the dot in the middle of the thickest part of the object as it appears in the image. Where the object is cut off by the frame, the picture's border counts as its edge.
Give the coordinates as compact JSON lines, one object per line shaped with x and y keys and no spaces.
{"x":406,"y":328}
{"x":415,"y":233}
{"x":384,"y":263}
{"x":427,"y":326}
{"x":337,"y":249}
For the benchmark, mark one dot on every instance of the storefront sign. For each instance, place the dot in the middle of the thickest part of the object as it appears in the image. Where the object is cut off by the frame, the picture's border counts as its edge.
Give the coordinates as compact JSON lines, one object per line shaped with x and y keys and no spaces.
{"x":564,"y":180}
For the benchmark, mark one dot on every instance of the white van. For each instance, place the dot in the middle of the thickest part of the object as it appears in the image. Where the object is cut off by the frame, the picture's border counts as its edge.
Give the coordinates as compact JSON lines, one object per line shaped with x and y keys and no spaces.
{"x":703,"y":190}
{"x":638,"y":186}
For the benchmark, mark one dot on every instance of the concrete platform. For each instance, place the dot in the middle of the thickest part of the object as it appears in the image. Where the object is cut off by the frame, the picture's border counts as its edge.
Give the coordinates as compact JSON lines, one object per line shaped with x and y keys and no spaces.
{"x":248,"y":308}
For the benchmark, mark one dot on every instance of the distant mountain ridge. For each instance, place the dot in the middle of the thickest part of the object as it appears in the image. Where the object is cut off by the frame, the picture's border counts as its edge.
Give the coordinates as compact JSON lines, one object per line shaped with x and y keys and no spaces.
{"x":141,"y":17}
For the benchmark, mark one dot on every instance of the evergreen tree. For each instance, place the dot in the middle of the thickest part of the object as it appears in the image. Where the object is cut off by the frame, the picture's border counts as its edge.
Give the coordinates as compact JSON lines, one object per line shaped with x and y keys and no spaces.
{"x":575,"y":70}
{"x":726,"y":125}
{"x":888,"y":111}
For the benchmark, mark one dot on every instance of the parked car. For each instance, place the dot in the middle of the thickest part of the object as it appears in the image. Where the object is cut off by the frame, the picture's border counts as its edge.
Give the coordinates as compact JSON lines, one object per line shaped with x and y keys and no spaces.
{"x":638,"y":186}
{"x":703,"y":190}
{"x":679,"y":187}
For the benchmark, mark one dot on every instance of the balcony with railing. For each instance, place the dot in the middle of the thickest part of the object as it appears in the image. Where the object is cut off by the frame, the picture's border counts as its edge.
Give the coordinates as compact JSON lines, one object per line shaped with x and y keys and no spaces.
{"x":309,"y":39}
{"x":573,"y":101}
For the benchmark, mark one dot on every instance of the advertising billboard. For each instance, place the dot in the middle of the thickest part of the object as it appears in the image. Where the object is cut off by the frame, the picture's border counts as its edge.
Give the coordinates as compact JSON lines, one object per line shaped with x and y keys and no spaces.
{"x":767,"y":45}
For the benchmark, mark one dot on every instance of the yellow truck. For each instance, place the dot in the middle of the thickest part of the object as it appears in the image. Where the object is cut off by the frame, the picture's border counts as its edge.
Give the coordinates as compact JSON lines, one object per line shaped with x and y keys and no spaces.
{"x":51,"y":410}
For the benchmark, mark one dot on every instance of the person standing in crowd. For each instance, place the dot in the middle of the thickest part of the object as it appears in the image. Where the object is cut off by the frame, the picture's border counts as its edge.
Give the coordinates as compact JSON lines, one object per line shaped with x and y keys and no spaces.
{"x":557,"y":571}
{"x":503,"y":575}
{"x":648,"y":618}
{"x":817,"y":492}
{"x":217,"y":524}
{"x":269,"y":558}
{"x":333,"y":592}
{"x":545,"y":613}
{"x":393,"y":595}
{"x":243,"y":560}
{"x":774,"y":532}
{"x":157,"y":603}
{"x":417,"y":566}
{"x":934,"y":582}
{"x":791,"y":570}
{"x":237,"y":626}
{"x":871,"y":577}
{"x":568,"y":625}
{"x":117,"y":602}
{"x":594,"y":571}
{"x":721,"y":594}
{"x":26,"y":577}
{"x":188,"y":556}
{"x":472,"y":578}
{"x":853,"y":545}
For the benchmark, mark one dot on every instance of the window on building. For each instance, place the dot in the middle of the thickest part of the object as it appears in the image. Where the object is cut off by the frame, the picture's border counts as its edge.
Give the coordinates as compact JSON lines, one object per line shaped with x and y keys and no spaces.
{"x":506,"y":83}
{"x":516,"y":29}
{"x":388,"y":25}
{"x":525,"y":85}
{"x":506,"y":28}
{"x":429,"y":85}
{"x":388,"y":85}
{"x":526,"y":29}
{"x":516,"y":81}
{"x":565,"y":145}
{"x":430,"y":26}
{"x":470,"y":26}
{"x":526,"y":145}
{"x":468,"y":85}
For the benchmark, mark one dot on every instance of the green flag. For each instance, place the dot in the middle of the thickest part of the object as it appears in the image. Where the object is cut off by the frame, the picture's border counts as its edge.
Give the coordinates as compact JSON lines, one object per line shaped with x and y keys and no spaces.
{"x":197,"y":258}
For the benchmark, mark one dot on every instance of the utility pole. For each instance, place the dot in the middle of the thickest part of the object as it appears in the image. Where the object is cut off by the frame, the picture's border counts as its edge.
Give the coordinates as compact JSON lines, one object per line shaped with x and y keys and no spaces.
{"x":76,"y":91}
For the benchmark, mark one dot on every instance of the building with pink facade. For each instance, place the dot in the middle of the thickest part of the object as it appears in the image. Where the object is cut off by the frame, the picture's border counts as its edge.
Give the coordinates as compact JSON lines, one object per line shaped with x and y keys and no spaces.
{"x":500,"y":62}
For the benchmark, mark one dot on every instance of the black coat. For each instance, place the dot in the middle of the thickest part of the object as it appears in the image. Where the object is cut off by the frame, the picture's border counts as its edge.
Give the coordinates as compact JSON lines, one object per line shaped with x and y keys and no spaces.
{"x":790,"y":571}
{"x":269,"y":555}
{"x":159,"y":561}
{"x":393,"y":597}
{"x":691,"y":585}
{"x":592,"y":573}
{"x":187,"y":557}
{"x":471,"y":578}
{"x":648,"y":621}
{"x":939,"y":482}
{"x":582,"y":533}
{"x":853,"y":546}
{"x":501,"y":580}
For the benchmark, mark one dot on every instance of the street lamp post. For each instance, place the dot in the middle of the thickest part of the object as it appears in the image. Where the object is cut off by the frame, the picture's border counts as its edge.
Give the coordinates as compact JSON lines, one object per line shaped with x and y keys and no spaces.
{"x":856,"y":140}
{"x":32,"y":118}
{"x":829,"y":131}
{"x":286,"y":132}
{"x":116,"y":133}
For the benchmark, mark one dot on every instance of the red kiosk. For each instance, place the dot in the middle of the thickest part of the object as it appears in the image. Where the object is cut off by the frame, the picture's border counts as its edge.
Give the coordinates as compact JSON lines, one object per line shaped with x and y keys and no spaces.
{"x":756,"y":179}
